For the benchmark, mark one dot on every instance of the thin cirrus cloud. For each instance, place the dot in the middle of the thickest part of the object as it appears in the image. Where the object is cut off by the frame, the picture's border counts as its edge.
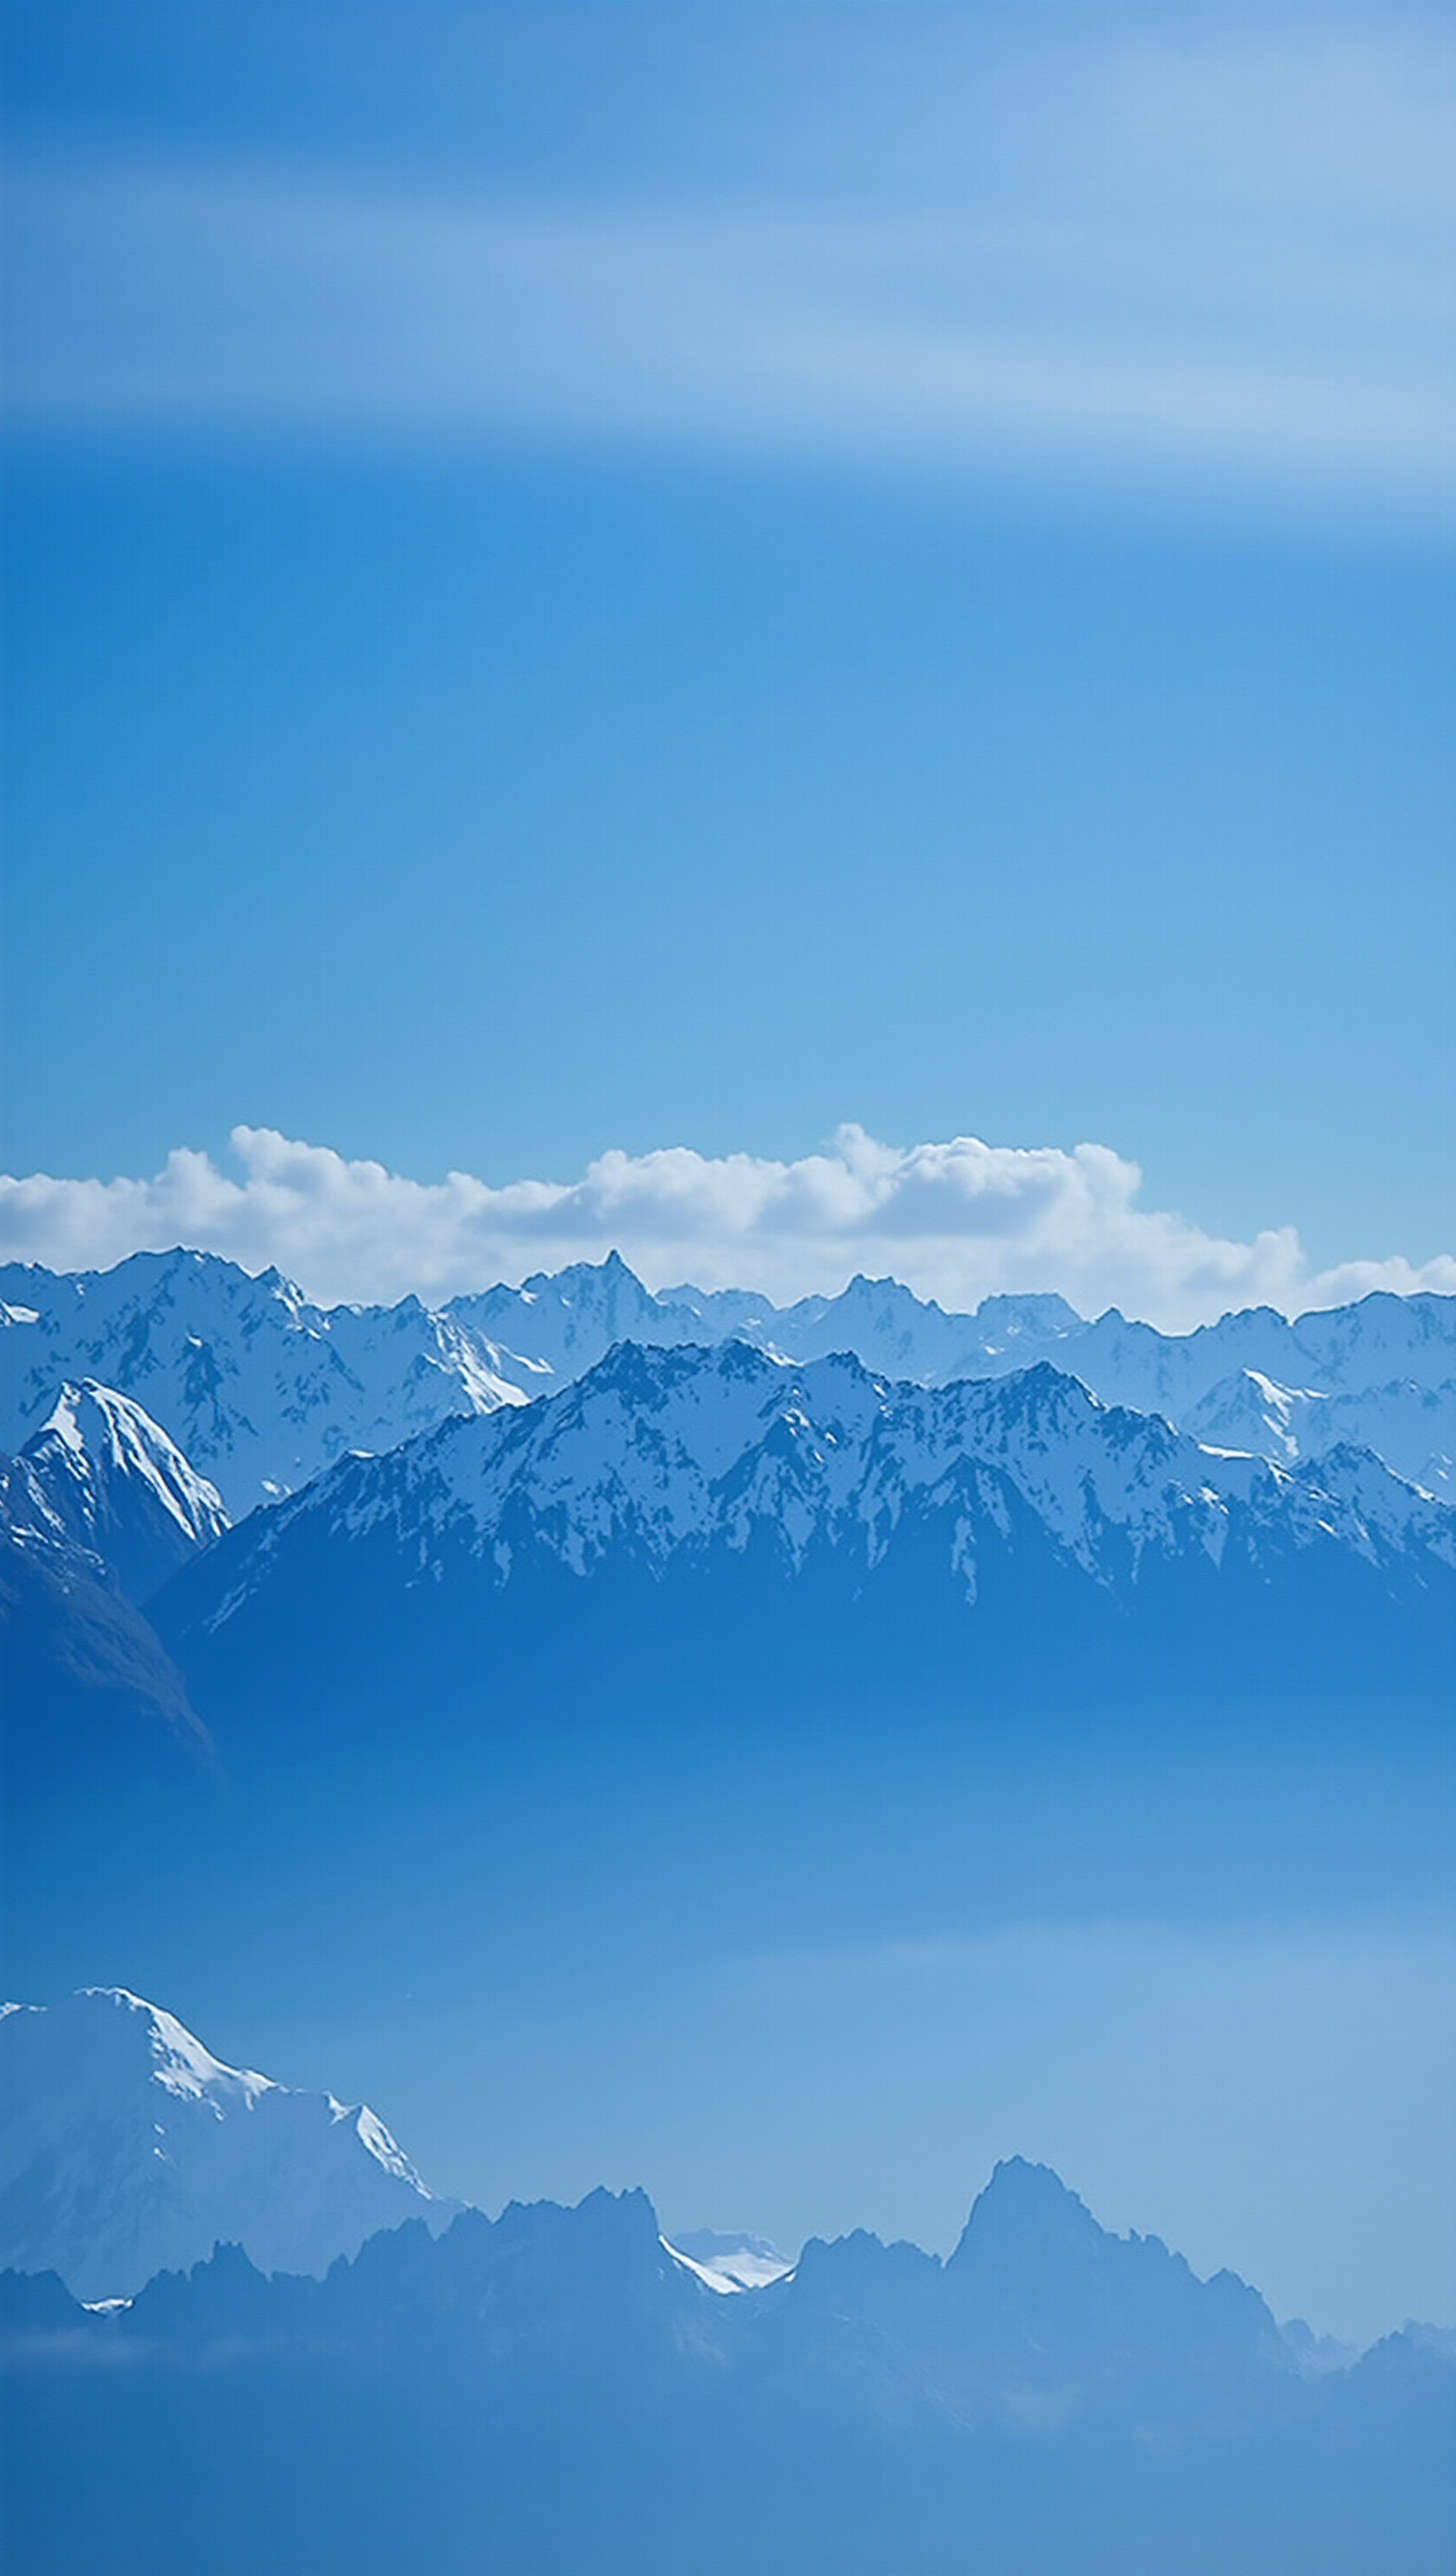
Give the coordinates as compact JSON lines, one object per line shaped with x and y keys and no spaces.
{"x":1219,"y":257}
{"x":956,"y":1221}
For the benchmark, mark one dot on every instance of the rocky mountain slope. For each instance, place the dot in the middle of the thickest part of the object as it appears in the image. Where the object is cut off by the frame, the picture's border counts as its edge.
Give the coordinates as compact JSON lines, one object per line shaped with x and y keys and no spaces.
{"x":97,"y":1510}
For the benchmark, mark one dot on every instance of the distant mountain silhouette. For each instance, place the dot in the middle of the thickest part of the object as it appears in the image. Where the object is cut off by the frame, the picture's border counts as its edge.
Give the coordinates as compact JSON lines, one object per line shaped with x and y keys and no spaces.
{"x":553,"y":2392}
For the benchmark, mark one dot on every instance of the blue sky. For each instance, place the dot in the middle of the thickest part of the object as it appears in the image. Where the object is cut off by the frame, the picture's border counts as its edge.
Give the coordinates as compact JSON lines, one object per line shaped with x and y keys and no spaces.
{"x":585,"y":581}
{"x":588,"y":580}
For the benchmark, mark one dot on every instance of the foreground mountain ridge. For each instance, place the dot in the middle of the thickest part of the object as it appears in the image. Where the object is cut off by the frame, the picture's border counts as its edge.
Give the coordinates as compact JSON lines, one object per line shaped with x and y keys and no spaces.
{"x":657,"y":1450}
{"x":261,"y":1389}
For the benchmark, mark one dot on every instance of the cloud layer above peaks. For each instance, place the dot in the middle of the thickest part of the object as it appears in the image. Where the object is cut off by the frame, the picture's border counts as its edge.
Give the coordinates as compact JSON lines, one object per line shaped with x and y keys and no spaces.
{"x":956,"y":1221}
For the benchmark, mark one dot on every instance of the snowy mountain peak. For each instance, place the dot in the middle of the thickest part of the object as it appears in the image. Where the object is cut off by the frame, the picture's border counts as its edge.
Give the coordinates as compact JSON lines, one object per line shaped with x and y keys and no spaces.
{"x":104,"y":1435}
{"x":100,"y":1476}
{"x":129,"y":2149}
{"x":728,"y":2263}
{"x":1412,"y":1427}
{"x":132,"y":2033}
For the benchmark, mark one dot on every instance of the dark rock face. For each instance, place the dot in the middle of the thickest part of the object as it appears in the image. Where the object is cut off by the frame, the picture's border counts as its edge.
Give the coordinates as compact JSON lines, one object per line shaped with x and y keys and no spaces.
{"x":90,"y":1691}
{"x":96,"y":1512}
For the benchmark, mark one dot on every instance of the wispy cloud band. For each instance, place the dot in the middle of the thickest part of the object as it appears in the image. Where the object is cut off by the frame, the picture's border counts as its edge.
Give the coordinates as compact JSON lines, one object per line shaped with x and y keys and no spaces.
{"x":957,"y":1221}
{"x":1224,"y":259}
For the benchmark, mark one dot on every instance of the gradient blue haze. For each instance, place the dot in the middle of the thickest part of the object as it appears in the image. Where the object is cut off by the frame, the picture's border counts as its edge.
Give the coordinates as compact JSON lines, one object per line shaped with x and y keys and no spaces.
{"x":483,"y":754}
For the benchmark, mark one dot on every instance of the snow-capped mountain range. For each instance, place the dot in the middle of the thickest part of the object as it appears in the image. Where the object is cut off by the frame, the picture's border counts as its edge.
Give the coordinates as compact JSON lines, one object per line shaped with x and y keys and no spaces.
{"x":128,"y":2149}
{"x":260,"y":1390}
{"x":659,"y":1454}
{"x":256,"y":1386}
{"x":1064,"y":1527}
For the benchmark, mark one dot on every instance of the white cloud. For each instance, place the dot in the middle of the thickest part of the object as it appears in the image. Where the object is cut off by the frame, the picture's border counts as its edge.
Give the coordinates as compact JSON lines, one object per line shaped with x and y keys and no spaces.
{"x":955,"y":1221}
